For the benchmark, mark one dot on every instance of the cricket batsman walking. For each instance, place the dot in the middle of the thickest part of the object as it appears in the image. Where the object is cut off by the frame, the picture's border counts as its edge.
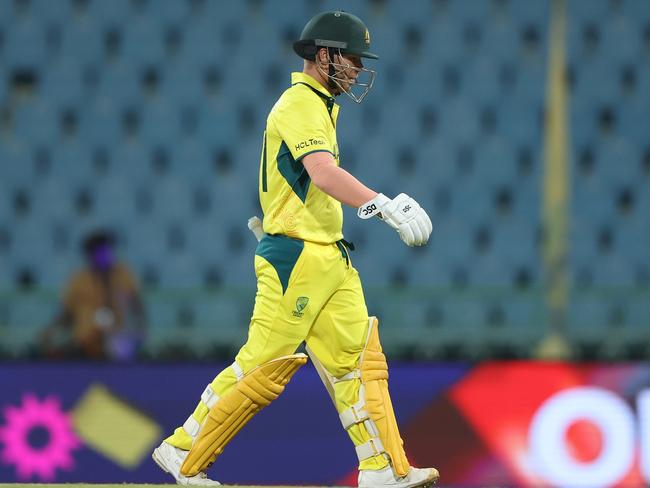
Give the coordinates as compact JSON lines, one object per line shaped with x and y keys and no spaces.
{"x":307,"y":289}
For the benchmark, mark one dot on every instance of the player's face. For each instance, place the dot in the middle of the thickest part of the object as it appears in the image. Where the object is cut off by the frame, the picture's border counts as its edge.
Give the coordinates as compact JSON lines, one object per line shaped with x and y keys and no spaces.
{"x":347,"y":69}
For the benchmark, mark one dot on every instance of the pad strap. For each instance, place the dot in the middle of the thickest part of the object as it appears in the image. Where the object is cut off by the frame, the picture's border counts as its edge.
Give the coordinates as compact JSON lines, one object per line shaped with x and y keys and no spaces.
{"x":372,"y":448}
{"x":209,"y":398}
{"x":352,"y":375}
{"x":191,"y":426}
{"x":353,"y":415}
{"x":239,"y":372}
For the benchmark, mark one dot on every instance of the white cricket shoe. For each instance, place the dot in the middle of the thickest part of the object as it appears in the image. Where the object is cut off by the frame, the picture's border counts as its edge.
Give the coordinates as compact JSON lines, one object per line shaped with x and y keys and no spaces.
{"x":170,"y":460}
{"x":379,"y":478}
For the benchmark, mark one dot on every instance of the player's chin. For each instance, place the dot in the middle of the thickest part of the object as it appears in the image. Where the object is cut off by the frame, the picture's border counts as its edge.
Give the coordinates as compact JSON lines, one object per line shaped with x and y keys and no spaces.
{"x":346,"y":85}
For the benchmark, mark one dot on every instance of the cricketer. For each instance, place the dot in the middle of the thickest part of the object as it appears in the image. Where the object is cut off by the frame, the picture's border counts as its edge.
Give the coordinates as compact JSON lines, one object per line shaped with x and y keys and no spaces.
{"x":307,"y":289}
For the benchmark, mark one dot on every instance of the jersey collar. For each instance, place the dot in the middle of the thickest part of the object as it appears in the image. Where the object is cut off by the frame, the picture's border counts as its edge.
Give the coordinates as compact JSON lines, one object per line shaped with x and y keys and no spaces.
{"x":299,"y":77}
{"x":305,"y":79}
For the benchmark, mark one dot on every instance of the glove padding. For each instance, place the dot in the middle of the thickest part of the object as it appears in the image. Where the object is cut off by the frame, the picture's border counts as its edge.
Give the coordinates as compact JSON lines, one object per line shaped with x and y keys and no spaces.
{"x":403,"y":214}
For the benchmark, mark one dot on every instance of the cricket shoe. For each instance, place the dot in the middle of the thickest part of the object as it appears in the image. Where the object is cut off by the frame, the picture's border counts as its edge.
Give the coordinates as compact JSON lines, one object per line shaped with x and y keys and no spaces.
{"x":170,"y":459}
{"x":385,"y":478}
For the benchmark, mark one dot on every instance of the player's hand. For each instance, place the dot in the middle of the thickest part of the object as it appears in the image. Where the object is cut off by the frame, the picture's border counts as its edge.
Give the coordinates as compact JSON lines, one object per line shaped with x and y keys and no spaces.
{"x":403,"y":214}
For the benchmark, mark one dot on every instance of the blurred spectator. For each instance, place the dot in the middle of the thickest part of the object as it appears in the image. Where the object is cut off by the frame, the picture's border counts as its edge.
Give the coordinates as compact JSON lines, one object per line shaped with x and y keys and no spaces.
{"x":101,"y":316}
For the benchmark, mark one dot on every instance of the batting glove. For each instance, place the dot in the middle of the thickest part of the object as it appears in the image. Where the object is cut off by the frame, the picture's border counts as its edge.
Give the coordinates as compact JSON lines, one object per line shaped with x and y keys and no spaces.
{"x":403,"y":214}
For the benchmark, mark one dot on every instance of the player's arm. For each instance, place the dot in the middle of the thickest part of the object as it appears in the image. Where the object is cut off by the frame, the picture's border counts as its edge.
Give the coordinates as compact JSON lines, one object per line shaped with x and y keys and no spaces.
{"x":402,"y":213}
{"x":335,"y":181}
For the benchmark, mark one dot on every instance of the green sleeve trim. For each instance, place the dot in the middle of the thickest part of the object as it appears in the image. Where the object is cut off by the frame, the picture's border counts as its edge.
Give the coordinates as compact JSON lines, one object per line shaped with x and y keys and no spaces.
{"x":315,"y":151}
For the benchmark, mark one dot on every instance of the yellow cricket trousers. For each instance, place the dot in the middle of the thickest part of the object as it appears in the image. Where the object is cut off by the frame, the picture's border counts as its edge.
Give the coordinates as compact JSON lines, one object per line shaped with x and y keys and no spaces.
{"x":306,"y":292}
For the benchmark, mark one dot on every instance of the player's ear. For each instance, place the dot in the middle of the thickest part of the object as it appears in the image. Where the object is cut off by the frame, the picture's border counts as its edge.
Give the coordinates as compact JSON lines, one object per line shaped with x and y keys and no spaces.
{"x":323,"y":55}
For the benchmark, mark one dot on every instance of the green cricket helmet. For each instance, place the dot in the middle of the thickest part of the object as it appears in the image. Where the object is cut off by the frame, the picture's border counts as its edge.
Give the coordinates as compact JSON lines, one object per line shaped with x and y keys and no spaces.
{"x":336,"y":29}
{"x":341,"y":33}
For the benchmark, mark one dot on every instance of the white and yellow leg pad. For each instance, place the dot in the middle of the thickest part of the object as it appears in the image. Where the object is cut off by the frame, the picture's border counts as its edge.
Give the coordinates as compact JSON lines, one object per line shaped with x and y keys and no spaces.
{"x":228,"y":414}
{"x":374,"y":408}
{"x":208,"y":399}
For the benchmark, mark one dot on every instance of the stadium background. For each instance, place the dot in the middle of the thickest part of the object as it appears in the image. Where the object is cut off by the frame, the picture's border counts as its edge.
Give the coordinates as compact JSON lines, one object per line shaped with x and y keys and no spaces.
{"x":521,"y":126}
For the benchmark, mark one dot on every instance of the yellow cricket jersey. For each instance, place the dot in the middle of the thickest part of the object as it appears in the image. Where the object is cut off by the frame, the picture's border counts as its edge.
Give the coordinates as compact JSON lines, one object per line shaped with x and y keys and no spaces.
{"x":301,"y":122}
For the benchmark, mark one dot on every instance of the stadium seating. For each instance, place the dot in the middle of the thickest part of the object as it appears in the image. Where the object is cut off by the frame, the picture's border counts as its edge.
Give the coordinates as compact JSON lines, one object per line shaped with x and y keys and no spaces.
{"x":147,"y":116}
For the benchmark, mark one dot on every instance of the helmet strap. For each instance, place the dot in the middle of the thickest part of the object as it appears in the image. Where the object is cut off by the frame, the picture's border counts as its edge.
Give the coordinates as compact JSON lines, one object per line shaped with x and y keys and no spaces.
{"x":331,"y":84}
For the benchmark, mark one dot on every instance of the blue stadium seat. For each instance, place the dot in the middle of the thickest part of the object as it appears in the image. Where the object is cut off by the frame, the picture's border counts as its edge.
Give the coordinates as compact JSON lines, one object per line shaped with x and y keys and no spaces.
{"x":443,"y":40}
{"x":52,"y":199}
{"x":587,"y":319}
{"x":168,"y":12}
{"x":456,"y":247}
{"x":119,"y":84}
{"x":418,"y":12}
{"x":594,"y":11}
{"x":490,"y":271}
{"x":193,"y":160}
{"x":206,"y":240}
{"x":459,"y":121}
{"x":621,"y":40}
{"x":4,"y":90}
{"x":633,"y":235}
{"x":16,"y":166}
{"x":6,"y":202}
{"x":36,"y":122}
{"x":132,"y":161}
{"x":530,"y":84}
{"x":488,"y":89}
{"x":85,"y":39}
{"x":109,"y":14}
{"x":220,"y":320}
{"x":201,"y":45}
{"x":217,"y":124}
{"x":63,"y":83}
{"x":25,"y":45}
{"x":101,"y":123}
{"x":182,"y":82}
{"x":172,"y":200}
{"x":631,"y":119}
{"x":71,"y":164}
{"x":147,"y":243}
{"x":519,"y":121}
{"x":463,"y":319}
{"x":114,"y":200}
{"x":160,"y":123}
{"x":617,"y":162}
{"x":638,"y":317}
{"x":239,"y":271}
{"x":29,"y":240}
{"x":28,"y":315}
{"x":500,"y":43}
{"x":180,"y":271}
{"x":635,"y":10}
{"x":613,"y":271}
{"x":161,"y":315}
{"x":608,"y":76}
{"x":55,"y":272}
{"x":143,"y":43}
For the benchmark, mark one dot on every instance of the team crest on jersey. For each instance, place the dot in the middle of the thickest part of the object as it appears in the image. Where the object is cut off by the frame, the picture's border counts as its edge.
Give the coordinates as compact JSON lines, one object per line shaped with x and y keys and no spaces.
{"x":301,"y":303}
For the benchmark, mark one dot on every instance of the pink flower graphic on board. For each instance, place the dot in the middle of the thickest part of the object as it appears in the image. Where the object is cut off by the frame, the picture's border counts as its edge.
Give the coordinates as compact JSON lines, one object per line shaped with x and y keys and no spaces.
{"x":37,"y":438}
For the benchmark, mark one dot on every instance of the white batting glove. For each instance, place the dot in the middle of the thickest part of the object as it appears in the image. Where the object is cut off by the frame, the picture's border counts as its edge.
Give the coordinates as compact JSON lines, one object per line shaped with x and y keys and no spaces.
{"x":403,"y":214}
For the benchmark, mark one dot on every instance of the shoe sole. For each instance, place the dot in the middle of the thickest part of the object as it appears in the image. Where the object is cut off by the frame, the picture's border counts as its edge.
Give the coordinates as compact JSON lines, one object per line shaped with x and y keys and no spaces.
{"x":426,"y":483}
